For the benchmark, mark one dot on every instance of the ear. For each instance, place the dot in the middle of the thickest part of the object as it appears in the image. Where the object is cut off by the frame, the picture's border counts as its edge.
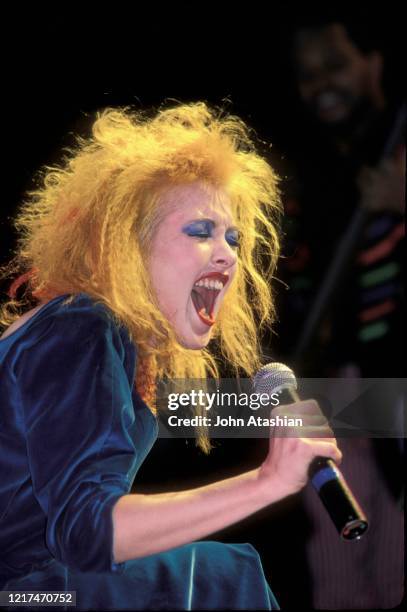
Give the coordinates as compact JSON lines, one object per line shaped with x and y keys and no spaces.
{"x":375,"y":67}
{"x":375,"y":74}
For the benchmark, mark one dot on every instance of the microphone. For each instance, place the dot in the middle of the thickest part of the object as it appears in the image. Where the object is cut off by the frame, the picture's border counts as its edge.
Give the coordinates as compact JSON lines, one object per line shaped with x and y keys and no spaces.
{"x":326,"y":478}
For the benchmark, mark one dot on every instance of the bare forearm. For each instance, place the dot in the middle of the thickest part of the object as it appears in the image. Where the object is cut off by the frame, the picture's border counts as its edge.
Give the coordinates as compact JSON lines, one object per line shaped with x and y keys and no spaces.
{"x":147,"y":524}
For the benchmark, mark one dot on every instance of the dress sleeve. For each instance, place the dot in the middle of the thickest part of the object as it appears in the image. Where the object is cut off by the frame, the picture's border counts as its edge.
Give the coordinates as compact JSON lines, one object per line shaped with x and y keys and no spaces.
{"x":77,"y":404}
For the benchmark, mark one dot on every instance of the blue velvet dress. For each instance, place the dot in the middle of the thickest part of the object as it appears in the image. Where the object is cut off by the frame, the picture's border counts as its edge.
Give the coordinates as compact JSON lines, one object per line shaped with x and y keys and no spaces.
{"x":73,"y":433}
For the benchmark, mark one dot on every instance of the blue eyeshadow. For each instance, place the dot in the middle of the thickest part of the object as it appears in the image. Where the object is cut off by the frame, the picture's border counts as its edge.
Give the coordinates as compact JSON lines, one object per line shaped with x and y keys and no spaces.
{"x":196,"y":228}
{"x":205,"y":227}
{"x":232,"y":237}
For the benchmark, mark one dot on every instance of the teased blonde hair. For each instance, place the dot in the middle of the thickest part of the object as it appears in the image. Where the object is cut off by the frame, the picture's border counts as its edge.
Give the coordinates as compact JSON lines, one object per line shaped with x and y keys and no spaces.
{"x":88,"y":227}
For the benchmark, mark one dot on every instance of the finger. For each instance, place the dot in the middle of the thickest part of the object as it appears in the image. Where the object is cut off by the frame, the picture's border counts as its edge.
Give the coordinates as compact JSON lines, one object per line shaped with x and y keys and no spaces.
{"x":297,"y":408}
{"x":313,"y":420}
{"x":326,"y":449}
{"x":312,"y":431}
{"x":324,"y":432}
{"x":301,"y":418}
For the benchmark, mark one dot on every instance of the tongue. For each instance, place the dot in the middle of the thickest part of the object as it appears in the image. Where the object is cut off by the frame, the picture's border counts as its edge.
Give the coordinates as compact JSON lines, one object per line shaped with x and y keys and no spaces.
{"x":198,"y":300}
{"x":203,"y":300}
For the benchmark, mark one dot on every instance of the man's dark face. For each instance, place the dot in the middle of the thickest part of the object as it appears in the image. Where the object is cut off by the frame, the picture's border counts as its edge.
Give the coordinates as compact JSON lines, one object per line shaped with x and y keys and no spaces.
{"x":334,"y":78}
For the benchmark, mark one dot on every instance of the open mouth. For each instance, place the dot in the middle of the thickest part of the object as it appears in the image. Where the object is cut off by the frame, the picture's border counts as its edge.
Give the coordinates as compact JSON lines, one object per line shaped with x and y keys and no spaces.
{"x":330,"y":103}
{"x":204,"y":295}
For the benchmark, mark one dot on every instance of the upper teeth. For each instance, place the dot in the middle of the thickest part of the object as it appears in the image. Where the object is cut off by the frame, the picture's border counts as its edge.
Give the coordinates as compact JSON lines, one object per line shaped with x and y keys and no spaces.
{"x":209,"y":284}
{"x":328,"y":99}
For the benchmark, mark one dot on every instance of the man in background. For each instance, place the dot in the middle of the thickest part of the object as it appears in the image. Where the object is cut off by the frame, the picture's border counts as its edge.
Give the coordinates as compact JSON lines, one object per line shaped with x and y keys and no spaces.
{"x":346,"y":153}
{"x":339,"y":165}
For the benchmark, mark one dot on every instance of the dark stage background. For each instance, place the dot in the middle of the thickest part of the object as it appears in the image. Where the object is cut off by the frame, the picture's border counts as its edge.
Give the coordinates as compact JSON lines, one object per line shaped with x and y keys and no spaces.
{"x":59,"y":68}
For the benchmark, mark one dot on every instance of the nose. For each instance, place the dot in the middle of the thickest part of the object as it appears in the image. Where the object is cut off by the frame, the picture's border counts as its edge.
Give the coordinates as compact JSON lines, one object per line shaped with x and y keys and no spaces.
{"x":317,"y":83}
{"x":327,"y":78}
{"x":224,"y":255}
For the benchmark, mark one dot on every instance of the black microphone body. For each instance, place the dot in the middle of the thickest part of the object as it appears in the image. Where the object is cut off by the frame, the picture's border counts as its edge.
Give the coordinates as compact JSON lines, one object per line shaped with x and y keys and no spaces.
{"x":327,"y":480}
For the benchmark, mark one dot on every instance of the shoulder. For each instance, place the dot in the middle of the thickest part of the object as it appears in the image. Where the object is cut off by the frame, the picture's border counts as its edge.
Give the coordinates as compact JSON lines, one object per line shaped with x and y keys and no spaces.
{"x":74,"y":325}
{"x":73,"y":315}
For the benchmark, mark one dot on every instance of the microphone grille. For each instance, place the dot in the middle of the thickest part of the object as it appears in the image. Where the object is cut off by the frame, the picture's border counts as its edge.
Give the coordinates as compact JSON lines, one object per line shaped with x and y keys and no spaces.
{"x":274,"y":377}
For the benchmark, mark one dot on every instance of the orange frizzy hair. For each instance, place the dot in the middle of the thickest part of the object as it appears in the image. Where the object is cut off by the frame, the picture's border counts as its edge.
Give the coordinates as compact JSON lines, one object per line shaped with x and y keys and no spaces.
{"x":89,"y":225}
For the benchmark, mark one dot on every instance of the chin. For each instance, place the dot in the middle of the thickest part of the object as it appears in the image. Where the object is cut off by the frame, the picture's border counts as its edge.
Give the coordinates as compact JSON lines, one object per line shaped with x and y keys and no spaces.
{"x":195,"y":342}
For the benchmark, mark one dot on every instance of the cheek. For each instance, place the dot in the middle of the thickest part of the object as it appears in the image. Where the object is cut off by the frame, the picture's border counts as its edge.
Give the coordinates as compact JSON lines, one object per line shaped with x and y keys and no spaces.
{"x":167,"y":292}
{"x":176,"y":263}
{"x":190,"y":258}
{"x":345,"y":80}
{"x":173,"y":269}
{"x":233,"y":270}
{"x":160,"y":271}
{"x":351,"y":78}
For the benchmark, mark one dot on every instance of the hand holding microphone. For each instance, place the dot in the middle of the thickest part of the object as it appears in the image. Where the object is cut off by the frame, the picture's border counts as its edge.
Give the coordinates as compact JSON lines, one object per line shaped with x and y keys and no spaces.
{"x":308,"y":452}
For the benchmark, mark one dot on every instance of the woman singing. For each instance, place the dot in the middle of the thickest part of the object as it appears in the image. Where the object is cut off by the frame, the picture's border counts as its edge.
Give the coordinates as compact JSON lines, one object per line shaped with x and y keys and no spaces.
{"x":145,"y":244}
